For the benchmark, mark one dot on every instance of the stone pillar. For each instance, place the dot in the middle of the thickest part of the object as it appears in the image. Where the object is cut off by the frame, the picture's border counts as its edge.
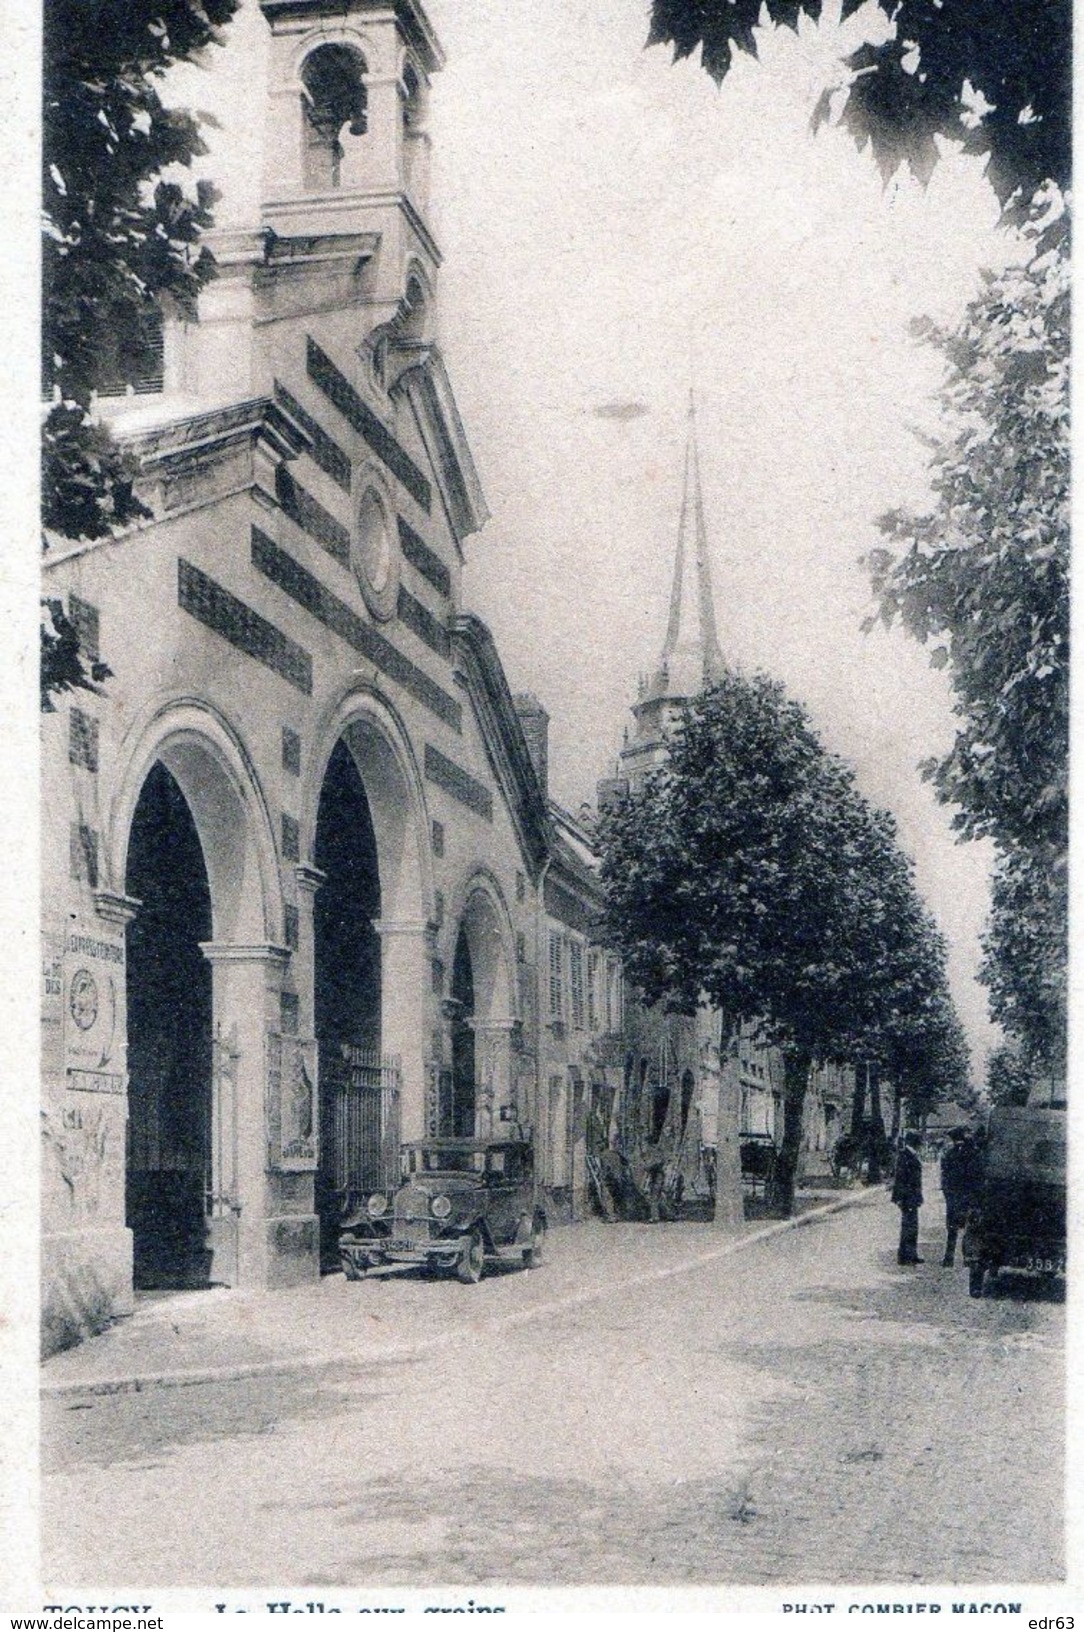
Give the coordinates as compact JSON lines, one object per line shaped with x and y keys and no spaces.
{"x":86,"y":1246}
{"x":493,"y":1073}
{"x":406,"y":950}
{"x":309,"y":880}
{"x":245,"y":1239}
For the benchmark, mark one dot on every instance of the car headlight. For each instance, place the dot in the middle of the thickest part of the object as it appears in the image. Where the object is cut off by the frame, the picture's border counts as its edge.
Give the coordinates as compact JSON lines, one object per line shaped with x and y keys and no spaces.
{"x":378,"y":1205}
{"x":441,"y":1206}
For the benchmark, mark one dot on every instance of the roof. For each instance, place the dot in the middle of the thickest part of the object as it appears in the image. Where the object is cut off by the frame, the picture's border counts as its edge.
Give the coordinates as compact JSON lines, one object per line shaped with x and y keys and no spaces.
{"x":502,"y":732}
{"x":429,"y":391}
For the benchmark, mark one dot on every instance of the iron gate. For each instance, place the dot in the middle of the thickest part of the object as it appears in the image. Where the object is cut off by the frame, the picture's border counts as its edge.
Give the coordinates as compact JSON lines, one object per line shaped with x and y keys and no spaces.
{"x":360,"y":1145}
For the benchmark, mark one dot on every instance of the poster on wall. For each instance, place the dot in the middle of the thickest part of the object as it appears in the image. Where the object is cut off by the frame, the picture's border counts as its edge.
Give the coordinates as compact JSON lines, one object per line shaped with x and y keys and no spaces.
{"x":93,"y":979}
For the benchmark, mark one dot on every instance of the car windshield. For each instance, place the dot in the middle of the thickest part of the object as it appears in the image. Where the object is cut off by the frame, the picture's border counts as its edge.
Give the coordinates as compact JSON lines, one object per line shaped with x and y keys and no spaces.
{"x":447,"y":1161}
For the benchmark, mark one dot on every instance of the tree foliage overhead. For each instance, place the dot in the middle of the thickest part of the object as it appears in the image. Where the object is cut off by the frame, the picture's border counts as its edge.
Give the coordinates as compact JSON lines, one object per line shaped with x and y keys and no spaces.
{"x":118,"y":237}
{"x":1026,"y":956}
{"x":995,"y":75}
{"x":983,"y":574}
{"x":119,"y":242}
{"x":983,"y":577}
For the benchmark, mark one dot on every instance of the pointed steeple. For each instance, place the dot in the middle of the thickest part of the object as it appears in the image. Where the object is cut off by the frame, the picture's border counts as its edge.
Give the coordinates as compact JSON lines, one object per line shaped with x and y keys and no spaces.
{"x":691,"y":654}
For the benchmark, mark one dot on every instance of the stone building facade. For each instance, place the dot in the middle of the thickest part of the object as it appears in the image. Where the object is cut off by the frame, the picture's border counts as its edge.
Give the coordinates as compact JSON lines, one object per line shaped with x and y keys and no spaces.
{"x":295,"y":850}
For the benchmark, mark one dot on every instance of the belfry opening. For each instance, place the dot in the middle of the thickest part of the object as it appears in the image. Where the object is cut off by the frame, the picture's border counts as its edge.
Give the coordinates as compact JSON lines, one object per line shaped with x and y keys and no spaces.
{"x":347,"y":999}
{"x":168,"y":1168}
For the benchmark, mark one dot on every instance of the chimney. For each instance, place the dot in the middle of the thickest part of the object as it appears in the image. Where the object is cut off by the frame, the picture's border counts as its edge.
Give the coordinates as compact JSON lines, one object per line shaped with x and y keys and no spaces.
{"x":536,"y":729}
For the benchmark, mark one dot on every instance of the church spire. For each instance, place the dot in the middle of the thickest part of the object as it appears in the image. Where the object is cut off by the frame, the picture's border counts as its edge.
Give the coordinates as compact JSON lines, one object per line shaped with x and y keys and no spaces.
{"x":691,"y":654}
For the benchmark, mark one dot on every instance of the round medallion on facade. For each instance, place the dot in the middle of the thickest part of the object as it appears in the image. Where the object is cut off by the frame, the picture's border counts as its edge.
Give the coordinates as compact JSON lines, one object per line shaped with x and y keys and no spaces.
{"x":375,"y":555}
{"x":83,"y":999}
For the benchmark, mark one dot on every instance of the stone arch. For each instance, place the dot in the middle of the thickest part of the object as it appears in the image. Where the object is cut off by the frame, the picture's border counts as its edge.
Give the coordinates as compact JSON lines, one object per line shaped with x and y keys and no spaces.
{"x":414,"y":320}
{"x":394,"y":345}
{"x":377,"y":743}
{"x":382,"y":751}
{"x":483,"y":940}
{"x":209,"y":763}
{"x":481,"y":911}
{"x":328,"y":33}
{"x":197,"y":1147}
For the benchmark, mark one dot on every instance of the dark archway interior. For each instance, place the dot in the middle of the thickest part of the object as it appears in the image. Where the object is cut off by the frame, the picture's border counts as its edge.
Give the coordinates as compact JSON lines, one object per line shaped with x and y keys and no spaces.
{"x":462,"y":1110}
{"x":346,"y":975}
{"x":169,"y":1041}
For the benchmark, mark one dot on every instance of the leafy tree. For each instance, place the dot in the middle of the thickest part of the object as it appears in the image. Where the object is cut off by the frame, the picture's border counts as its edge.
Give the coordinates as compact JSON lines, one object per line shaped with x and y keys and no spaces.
{"x":119,"y":239}
{"x":751,"y":875}
{"x":983,"y":577}
{"x":1026,"y":954}
{"x":995,"y":75}
{"x":1008,"y":1077}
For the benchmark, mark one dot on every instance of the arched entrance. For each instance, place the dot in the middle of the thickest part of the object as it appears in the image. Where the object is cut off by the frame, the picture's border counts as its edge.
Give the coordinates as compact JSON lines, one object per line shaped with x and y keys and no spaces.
{"x":168,"y":1173}
{"x":483,"y":1086}
{"x":459,"y":1119}
{"x":346,"y":997}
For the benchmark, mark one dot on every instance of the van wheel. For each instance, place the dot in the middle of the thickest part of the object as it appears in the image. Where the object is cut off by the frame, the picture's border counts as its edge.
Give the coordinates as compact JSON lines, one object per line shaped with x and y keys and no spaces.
{"x":472,"y":1260}
{"x":976,"y":1275}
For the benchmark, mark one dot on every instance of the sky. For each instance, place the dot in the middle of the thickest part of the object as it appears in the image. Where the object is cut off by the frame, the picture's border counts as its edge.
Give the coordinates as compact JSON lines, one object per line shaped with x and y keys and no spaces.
{"x":617,"y":230}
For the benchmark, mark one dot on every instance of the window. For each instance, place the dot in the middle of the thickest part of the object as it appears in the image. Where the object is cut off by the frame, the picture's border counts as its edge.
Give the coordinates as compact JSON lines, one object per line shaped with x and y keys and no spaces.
{"x":135,"y":360}
{"x":333,"y":96}
{"x":593,"y":1014}
{"x":615,"y":1017}
{"x":575,"y":961}
{"x":557,"y":976}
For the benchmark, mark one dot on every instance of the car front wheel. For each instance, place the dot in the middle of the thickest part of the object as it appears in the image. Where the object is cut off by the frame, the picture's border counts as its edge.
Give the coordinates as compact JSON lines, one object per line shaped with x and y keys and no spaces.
{"x":472,"y":1259}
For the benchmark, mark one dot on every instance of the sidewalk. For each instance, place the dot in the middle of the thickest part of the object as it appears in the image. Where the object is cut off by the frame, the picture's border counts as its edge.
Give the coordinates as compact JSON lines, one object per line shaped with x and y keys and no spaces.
{"x":180,"y":1338}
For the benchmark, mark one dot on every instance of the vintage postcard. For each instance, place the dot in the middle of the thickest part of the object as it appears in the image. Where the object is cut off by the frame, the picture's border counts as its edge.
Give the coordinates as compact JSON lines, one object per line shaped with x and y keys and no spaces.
{"x":550,"y":984}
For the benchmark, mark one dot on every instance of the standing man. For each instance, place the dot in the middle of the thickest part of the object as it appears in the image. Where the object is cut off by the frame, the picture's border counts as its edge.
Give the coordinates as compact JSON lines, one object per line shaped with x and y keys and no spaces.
{"x":907,"y":1194}
{"x":957,"y":1185}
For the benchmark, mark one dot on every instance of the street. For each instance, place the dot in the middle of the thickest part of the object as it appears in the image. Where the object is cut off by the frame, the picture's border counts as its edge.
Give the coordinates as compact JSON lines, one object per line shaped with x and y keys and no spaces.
{"x":800,"y":1411}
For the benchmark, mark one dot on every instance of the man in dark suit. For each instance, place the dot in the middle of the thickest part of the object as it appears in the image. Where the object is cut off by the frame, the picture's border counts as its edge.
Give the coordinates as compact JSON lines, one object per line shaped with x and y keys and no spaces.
{"x":959,"y":1180}
{"x":907,"y":1194}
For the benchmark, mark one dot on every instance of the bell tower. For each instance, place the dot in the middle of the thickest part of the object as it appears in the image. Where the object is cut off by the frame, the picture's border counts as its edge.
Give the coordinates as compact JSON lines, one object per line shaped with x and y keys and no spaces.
{"x":320,"y":153}
{"x":346,"y":148}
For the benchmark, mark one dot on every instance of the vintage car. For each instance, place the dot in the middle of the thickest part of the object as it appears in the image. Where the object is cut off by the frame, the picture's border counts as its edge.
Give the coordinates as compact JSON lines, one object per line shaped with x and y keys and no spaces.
{"x":461,"y":1201}
{"x":1017,"y":1218}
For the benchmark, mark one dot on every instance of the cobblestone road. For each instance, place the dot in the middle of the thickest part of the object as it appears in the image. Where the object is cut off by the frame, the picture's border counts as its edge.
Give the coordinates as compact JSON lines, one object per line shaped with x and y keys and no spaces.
{"x":804,"y":1411}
